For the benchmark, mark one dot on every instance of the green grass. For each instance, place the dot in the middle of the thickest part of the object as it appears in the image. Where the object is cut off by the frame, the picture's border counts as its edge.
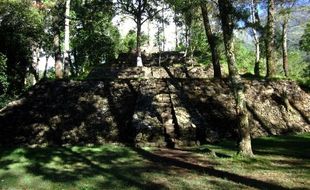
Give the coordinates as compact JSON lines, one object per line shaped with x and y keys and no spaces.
{"x":280,"y":162}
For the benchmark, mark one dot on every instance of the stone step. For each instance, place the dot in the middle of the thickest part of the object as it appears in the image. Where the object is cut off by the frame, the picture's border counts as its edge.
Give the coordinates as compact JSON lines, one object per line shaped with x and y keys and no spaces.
{"x":168,"y":119}
{"x":162,"y":98}
{"x":169,"y":128}
{"x":166,"y":115}
{"x":162,"y":105}
{"x":168,"y":122}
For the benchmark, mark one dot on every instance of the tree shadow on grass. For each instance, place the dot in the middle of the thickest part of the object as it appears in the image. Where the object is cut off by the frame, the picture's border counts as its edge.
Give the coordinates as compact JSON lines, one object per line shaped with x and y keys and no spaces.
{"x":205,"y":150}
{"x":69,"y":166}
{"x":296,"y":146}
{"x":209,"y":170}
{"x":292,"y":146}
{"x":8,"y":156}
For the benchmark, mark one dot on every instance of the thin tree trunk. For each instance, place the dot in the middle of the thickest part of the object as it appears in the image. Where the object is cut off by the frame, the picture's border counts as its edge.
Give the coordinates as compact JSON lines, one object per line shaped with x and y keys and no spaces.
{"x":226,"y":13}
{"x":257,"y":58}
{"x":255,"y":20}
{"x":270,"y":41}
{"x":159,"y":46}
{"x":211,"y":41}
{"x":284,"y":46}
{"x":67,"y":40}
{"x":163,"y":26}
{"x":139,"y":56}
{"x":186,"y":41}
{"x":192,"y":56}
{"x":58,"y":62}
{"x":148,"y":34}
{"x":139,"y":25}
{"x":36,"y":72}
{"x":176,"y":31}
{"x":46,"y":65}
{"x":35,"y":64}
{"x":189,"y":38}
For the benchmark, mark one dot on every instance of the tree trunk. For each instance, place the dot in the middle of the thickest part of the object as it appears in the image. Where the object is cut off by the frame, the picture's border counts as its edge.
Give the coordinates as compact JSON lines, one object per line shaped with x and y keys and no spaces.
{"x":35,"y":64}
{"x":211,"y":41}
{"x":257,"y":59}
{"x":139,"y":57}
{"x":58,"y":62}
{"x":226,"y":13}
{"x":148,"y":34}
{"x":159,"y":46}
{"x":186,"y":41}
{"x":270,"y":41}
{"x":163,"y":26}
{"x":176,"y":31}
{"x":36,"y":70}
{"x":67,"y":40}
{"x":284,"y":46}
{"x":255,"y":20}
{"x":46,"y":65}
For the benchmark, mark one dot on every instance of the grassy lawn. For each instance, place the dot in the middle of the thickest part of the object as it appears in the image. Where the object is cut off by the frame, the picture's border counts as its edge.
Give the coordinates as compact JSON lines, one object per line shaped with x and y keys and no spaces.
{"x":280,"y":163}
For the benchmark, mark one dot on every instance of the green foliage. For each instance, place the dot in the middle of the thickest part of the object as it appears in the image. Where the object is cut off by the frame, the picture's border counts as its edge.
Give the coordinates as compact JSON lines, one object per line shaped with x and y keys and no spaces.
{"x":5,"y":99}
{"x":298,"y":64}
{"x":94,"y":38}
{"x":159,"y":35}
{"x":129,"y":42}
{"x":199,"y":46}
{"x":245,"y":57}
{"x":299,"y":68}
{"x":21,"y":26}
{"x":305,"y":40}
{"x":141,"y":10}
{"x":3,"y":75}
{"x":50,"y":74}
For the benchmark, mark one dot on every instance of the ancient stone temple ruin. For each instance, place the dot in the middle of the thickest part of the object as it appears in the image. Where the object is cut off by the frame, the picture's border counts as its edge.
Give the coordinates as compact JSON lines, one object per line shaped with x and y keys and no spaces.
{"x":168,"y":105}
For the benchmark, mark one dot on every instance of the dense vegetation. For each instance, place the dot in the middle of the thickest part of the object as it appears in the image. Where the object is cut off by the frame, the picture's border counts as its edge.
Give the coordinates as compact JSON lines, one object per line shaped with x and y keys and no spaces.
{"x":80,"y":34}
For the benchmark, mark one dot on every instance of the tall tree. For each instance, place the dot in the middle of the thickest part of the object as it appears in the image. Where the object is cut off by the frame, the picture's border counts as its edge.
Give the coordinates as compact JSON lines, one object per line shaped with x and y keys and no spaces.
{"x":187,"y":10}
{"x":270,"y":40}
{"x":67,"y":40}
{"x":285,"y":12}
{"x":57,"y":21}
{"x":211,"y":40}
{"x":228,"y":22}
{"x":140,"y":11}
{"x":190,"y":12}
{"x":175,"y":20}
{"x":256,"y":35}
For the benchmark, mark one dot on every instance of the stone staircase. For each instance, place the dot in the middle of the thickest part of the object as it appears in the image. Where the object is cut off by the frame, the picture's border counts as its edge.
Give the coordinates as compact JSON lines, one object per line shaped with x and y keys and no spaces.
{"x":157,"y":122}
{"x":164,"y":116}
{"x":162,"y":103}
{"x":185,"y":128}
